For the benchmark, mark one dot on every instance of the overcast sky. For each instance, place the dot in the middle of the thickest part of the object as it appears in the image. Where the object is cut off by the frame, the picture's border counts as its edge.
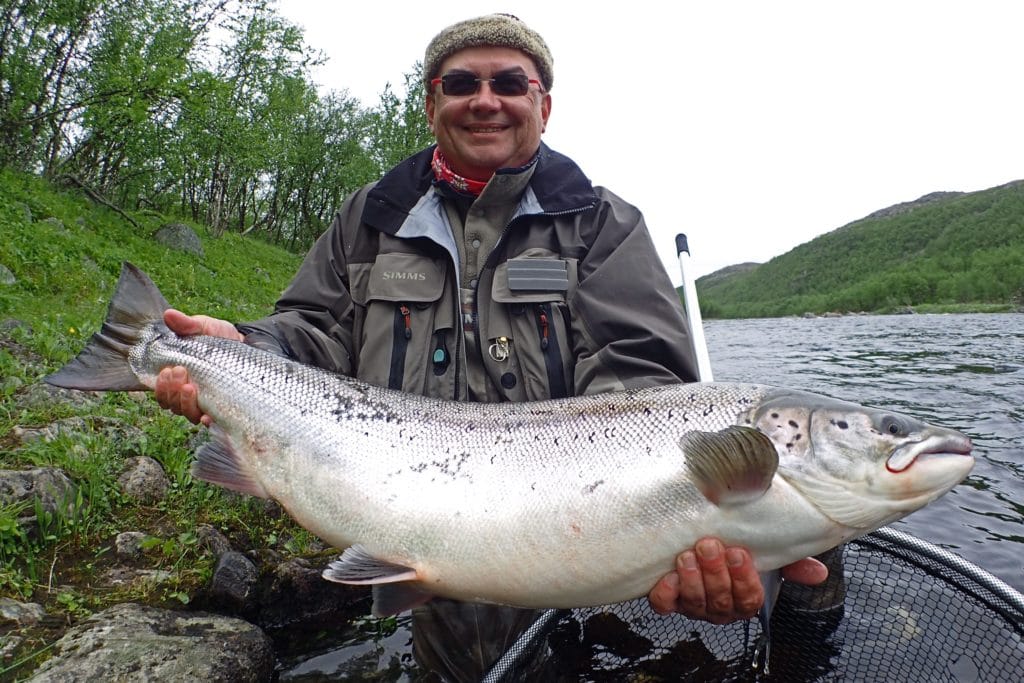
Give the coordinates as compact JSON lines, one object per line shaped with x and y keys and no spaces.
{"x":752,"y":126}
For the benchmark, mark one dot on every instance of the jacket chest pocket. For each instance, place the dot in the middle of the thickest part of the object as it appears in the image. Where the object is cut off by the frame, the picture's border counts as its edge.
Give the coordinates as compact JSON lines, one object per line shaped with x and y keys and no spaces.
{"x":405,"y":341}
{"x":529,"y":327}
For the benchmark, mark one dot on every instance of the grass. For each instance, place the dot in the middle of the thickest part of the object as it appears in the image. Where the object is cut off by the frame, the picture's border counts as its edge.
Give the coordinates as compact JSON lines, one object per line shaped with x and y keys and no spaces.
{"x":65,"y":254}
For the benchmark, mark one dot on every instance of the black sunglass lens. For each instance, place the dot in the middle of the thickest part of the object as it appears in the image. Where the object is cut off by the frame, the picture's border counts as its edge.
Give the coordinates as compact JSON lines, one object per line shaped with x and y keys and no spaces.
{"x":457,"y":85}
{"x":510,"y":84}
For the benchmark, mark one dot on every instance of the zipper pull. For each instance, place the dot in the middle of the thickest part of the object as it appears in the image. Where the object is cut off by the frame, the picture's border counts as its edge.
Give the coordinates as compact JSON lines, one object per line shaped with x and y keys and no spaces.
{"x":499,"y":349}
{"x":408,"y":320}
{"x":440,"y":357}
{"x":543,"y":318}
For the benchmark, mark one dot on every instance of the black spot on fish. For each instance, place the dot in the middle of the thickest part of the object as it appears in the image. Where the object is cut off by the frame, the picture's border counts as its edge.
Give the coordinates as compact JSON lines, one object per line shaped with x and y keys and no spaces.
{"x":710,"y":408}
{"x":797,"y":437}
{"x":793,"y":424}
{"x":590,"y":488}
{"x":842,"y":424}
{"x":775,"y":416}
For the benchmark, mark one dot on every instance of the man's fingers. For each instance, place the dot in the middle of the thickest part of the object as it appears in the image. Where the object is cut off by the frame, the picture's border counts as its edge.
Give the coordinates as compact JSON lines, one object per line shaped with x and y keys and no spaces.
{"x":808,"y":571}
{"x":174,"y":392}
{"x":747,"y":591}
{"x":187,"y":325}
{"x":692,"y":598}
{"x":665,"y":593}
{"x":717,"y":582}
{"x":182,"y":324}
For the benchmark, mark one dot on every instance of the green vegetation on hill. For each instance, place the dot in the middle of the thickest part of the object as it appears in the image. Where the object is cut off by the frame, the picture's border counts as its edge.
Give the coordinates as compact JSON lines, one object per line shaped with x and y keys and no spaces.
{"x":955,"y":251}
{"x":64,"y":253}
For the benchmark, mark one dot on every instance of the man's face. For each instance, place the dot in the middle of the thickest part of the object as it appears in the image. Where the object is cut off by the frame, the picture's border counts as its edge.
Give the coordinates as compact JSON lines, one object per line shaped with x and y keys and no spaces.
{"x":482,"y":132}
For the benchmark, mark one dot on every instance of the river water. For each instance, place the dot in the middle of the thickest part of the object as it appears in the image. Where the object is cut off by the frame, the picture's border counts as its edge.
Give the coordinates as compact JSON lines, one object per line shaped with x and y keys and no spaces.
{"x":960,"y":371}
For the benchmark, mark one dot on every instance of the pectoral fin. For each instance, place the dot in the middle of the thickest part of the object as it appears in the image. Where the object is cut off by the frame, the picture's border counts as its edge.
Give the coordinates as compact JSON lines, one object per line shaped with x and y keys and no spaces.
{"x":730,"y":467}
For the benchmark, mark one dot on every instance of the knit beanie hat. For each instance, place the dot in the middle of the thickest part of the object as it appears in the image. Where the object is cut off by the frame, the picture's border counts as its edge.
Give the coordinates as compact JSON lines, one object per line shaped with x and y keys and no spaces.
{"x":497,"y":30}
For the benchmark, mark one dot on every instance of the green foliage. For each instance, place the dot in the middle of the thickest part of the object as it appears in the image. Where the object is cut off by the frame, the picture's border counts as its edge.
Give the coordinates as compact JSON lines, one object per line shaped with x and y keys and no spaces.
{"x":65,"y":253}
{"x":199,"y":108}
{"x":954,"y":251}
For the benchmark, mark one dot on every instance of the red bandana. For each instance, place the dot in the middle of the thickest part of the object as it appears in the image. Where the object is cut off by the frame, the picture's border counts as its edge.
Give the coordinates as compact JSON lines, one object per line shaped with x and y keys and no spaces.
{"x":444,"y":173}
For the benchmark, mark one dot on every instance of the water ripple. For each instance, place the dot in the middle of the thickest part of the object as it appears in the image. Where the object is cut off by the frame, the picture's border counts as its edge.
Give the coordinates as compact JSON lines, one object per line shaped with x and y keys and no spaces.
{"x":961,"y":371}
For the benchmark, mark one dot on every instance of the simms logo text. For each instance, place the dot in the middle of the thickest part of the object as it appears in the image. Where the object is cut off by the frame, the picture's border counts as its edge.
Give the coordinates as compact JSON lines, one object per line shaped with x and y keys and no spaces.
{"x":403,"y":275}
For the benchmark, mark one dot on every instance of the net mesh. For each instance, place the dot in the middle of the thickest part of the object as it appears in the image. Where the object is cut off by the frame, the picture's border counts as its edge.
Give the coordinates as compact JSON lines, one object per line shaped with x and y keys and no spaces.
{"x":896,"y":608}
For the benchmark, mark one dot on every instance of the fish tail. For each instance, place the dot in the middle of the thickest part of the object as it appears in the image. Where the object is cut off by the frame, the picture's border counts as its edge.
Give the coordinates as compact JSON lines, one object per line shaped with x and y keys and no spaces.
{"x":103,"y":364}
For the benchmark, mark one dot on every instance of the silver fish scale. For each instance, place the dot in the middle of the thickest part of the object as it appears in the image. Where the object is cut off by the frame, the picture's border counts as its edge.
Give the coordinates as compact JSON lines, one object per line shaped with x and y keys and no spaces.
{"x":566,"y":503}
{"x":426,"y":483}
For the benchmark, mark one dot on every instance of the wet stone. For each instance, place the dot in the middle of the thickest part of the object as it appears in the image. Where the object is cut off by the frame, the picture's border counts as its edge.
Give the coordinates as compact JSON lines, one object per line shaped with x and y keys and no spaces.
{"x":130,"y":642}
{"x":234,"y":580}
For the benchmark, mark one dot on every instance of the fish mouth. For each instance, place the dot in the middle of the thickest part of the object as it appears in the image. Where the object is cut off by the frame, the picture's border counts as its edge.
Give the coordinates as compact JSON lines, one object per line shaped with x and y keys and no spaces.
{"x":936,"y":446}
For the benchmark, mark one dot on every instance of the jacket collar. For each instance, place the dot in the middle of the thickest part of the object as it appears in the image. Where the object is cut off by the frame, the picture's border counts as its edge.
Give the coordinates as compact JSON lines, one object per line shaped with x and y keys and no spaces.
{"x":558,"y":185}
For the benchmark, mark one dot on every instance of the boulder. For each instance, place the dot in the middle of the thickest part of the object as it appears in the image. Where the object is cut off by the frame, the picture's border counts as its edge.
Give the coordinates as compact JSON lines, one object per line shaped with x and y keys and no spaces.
{"x":130,"y":642}
{"x":181,"y":237}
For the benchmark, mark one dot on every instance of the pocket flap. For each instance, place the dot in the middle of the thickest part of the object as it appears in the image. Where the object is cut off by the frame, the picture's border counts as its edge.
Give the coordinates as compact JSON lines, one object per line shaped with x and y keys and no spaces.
{"x":529,"y":280}
{"x":405,"y":277}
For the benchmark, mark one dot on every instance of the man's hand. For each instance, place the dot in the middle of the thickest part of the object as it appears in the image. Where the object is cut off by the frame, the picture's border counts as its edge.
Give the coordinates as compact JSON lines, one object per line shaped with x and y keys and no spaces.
{"x":721,"y":585}
{"x":173,"y":389}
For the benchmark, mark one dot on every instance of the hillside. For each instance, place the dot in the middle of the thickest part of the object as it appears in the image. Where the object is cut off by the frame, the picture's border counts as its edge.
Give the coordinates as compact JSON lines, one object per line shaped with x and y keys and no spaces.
{"x":953,"y":250}
{"x":60,"y":255}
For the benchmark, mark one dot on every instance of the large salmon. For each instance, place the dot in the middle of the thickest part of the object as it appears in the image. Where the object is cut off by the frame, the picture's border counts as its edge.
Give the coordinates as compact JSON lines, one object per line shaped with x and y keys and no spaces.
{"x":564,"y":503}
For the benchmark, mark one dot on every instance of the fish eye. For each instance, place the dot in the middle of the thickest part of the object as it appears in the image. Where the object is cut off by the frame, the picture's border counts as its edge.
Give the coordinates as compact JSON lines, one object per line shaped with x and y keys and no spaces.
{"x":892,"y":425}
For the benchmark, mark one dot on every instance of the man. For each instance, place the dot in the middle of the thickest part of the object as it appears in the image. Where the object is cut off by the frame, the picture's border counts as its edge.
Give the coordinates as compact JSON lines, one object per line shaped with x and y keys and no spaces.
{"x":488,"y":268}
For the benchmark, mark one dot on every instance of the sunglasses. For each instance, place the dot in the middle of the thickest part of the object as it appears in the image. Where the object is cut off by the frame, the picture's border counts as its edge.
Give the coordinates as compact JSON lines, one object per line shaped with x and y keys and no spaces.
{"x":463,"y":84}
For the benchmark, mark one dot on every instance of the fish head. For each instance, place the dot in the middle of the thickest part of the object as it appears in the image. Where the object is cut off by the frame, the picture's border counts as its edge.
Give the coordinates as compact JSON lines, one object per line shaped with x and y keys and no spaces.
{"x":862,"y":467}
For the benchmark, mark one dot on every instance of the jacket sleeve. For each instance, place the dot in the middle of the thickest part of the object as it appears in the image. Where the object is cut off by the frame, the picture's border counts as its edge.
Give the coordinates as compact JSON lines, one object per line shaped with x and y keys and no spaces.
{"x":629,"y":328}
{"x":312,"y":321}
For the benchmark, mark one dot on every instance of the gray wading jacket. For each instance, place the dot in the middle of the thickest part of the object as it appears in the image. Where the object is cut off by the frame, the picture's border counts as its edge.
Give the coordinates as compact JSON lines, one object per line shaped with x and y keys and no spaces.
{"x":572,"y":299}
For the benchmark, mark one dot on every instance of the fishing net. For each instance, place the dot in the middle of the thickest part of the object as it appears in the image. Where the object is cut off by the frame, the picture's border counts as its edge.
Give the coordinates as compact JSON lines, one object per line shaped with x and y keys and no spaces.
{"x":900,"y":609}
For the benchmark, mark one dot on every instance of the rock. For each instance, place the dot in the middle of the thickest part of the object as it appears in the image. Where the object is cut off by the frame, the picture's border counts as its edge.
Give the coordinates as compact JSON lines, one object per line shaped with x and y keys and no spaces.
{"x":21,"y":613}
{"x":57,"y":225}
{"x":8,"y":325}
{"x":136,"y":578}
{"x":9,"y":644}
{"x":130,"y":642}
{"x":40,"y":394}
{"x":118,"y":431}
{"x":144,"y":480}
{"x":53,"y":488}
{"x":234,"y":582}
{"x":212,"y":540}
{"x":128,"y":545}
{"x":6,"y":276}
{"x":26,"y":211}
{"x":296,"y":596}
{"x":181,"y":237}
